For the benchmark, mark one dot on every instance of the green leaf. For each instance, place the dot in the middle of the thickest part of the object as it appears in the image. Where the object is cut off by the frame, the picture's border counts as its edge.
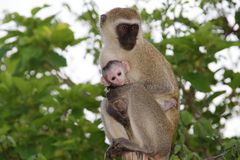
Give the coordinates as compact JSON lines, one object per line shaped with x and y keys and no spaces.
{"x":56,"y":60}
{"x":49,"y":19}
{"x":62,"y":35}
{"x":43,"y":33}
{"x":186,"y":118}
{"x":235,"y":78}
{"x":28,"y":58}
{"x":200,"y":81}
{"x":235,"y":83}
{"x":214,"y":95}
{"x":174,"y":157}
{"x":220,"y":109}
{"x":213,"y":42}
{"x":34,"y":11}
{"x":24,"y":40}
{"x":22,"y":85}
{"x":177,"y":149}
{"x":237,"y":17}
{"x":10,"y":34}
{"x":7,"y":141}
{"x":3,"y":88}
{"x":4,"y":129}
{"x":13,"y":17}
{"x":203,"y":128}
{"x":3,"y":52}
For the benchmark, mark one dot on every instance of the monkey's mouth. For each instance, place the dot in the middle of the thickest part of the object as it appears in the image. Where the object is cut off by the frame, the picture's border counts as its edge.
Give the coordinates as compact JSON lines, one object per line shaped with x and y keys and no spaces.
{"x":128,"y":44}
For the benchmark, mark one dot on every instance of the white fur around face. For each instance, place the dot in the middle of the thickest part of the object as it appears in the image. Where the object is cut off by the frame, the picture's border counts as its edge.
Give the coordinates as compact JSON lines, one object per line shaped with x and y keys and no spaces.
{"x":112,"y":49}
{"x":128,"y":21}
{"x":109,"y":35}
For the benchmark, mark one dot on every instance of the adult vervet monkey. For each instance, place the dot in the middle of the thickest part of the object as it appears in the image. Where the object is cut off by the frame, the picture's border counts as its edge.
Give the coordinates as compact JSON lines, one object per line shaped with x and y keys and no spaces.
{"x":123,"y":40}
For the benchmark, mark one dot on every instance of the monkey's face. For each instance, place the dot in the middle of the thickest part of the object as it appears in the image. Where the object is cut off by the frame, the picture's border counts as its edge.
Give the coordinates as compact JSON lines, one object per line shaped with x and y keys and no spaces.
{"x":127,"y":35}
{"x":116,"y":75}
{"x":121,"y":26}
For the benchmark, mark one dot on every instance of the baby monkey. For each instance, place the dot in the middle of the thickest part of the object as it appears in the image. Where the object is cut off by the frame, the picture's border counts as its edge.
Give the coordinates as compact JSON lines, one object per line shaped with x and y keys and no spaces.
{"x":124,"y":98}
{"x":114,"y":75}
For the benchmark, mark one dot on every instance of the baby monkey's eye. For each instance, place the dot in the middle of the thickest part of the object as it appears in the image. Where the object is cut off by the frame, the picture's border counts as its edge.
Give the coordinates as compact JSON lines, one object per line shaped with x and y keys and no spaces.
{"x":113,"y":78}
{"x":119,"y":74}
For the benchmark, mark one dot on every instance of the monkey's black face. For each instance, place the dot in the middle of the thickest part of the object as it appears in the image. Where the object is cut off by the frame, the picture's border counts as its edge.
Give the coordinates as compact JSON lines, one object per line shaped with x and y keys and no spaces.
{"x":127,"y":35}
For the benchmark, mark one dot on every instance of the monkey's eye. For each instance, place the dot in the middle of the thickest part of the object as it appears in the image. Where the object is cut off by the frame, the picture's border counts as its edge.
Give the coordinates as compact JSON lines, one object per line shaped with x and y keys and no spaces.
{"x":123,"y":27}
{"x":113,"y":78}
{"x":119,"y":74}
{"x":134,"y":27}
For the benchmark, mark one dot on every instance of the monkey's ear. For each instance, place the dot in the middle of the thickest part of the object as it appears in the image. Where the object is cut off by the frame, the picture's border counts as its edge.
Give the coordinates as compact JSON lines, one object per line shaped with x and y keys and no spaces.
{"x":126,"y":65}
{"x":103,"y":19}
{"x":104,"y":82}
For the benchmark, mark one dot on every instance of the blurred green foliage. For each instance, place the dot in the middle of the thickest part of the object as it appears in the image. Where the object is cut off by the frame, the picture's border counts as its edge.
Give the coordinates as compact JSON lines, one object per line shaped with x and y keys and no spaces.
{"x":42,"y":112}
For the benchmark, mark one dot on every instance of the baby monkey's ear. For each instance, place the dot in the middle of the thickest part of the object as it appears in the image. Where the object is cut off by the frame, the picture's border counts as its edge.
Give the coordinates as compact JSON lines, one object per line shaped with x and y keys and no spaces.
{"x":126,"y":65}
{"x":102,"y":19}
{"x":105,"y":82}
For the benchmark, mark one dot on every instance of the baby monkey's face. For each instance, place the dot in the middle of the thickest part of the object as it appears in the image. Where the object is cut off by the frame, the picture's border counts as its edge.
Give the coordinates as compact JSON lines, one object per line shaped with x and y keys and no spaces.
{"x":115,"y":74}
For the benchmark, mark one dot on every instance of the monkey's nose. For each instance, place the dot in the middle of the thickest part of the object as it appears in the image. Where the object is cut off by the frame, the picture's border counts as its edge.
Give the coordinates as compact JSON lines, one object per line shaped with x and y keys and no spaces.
{"x":121,"y":82}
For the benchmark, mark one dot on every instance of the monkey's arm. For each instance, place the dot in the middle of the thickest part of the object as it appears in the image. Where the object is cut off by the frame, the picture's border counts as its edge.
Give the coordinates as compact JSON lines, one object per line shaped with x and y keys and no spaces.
{"x":158,"y":76}
{"x":112,"y":128}
{"x":118,"y":110}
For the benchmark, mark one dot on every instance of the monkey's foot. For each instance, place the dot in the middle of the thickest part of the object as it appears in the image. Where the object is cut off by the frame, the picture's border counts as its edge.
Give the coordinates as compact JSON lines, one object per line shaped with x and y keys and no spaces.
{"x":119,"y":145}
{"x":113,"y":151}
{"x":168,"y":104}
